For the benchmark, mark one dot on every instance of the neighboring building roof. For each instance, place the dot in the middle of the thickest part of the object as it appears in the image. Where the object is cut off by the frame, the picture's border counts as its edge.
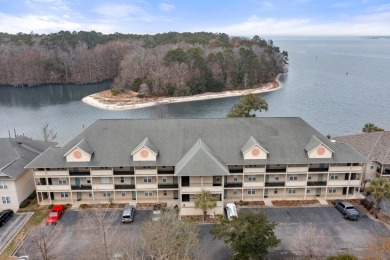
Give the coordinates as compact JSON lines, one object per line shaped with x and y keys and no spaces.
{"x":374,"y":146}
{"x":250,"y":144}
{"x":114,"y":140}
{"x":16,"y":153}
{"x":200,"y":160}
{"x":145,"y":143}
{"x":83,"y":145}
{"x":313,"y":143}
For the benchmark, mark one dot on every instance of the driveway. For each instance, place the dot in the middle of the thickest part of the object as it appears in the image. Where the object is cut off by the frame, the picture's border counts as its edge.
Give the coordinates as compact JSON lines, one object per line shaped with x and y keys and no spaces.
{"x":347,"y":236}
{"x":11,"y":227}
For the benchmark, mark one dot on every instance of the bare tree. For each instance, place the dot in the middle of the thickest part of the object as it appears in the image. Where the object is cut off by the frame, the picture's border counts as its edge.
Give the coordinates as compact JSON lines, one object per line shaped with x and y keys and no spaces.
{"x":45,"y":240}
{"x":100,"y":220}
{"x":48,"y":134}
{"x":170,"y":238}
{"x":311,"y":242}
{"x":379,"y":248}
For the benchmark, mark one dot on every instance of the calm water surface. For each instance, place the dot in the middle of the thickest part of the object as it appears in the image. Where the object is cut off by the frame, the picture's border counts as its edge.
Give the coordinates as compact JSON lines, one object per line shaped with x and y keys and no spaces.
{"x":335,"y":84}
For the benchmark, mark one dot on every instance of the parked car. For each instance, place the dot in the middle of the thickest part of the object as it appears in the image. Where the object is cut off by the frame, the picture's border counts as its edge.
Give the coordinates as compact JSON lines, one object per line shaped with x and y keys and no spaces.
{"x":55,"y":214}
{"x":5,"y":215}
{"x":231,"y":210}
{"x":347,"y":209}
{"x":128,"y":214}
{"x":156,"y":216}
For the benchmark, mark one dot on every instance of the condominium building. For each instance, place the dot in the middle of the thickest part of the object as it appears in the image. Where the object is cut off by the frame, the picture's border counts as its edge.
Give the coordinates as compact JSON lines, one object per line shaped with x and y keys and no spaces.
{"x":375,"y":147}
{"x":172,"y":160}
{"x":16,"y":182}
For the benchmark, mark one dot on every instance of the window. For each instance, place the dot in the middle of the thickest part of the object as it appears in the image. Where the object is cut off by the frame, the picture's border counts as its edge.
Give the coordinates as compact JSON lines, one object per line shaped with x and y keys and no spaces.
{"x":122,"y":179}
{"x":64,"y":195}
{"x":90,"y":195}
{"x":276,"y":177}
{"x":165,"y":193}
{"x":217,"y":179}
{"x":235,"y":178}
{"x":334,"y":176}
{"x":251,"y":192}
{"x":276,"y":191}
{"x":332,"y":190}
{"x":292,"y":191}
{"x":62,"y":181}
{"x":293,"y":177}
{"x":105,"y":180}
{"x":88,"y":180}
{"x":123,"y":194}
{"x":148,"y":193}
{"x":234,"y":192}
{"x":6,"y":200}
{"x":148,"y":179}
{"x":146,"y":167}
{"x":106,"y":193}
{"x":252,"y":178}
{"x":164,"y":179}
{"x":308,"y":178}
{"x":3,"y":185}
{"x":308,"y":191}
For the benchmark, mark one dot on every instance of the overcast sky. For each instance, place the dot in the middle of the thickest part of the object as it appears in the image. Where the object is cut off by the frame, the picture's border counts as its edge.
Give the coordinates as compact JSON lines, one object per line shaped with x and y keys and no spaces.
{"x":238,"y":17}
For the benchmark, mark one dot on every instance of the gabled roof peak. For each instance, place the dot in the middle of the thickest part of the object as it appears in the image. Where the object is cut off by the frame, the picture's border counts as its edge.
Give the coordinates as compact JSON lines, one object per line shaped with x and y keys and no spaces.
{"x":83,"y":145}
{"x":250,"y":144}
{"x":313,"y":143}
{"x":147,"y":144}
{"x":200,"y":160}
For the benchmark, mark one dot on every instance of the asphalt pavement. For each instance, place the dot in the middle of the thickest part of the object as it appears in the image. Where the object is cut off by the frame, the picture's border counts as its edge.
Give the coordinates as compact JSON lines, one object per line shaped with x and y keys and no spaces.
{"x":11,"y":227}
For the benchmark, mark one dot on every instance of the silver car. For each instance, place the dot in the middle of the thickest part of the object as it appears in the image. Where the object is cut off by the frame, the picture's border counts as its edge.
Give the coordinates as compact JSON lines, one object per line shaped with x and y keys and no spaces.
{"x":128,"y":214}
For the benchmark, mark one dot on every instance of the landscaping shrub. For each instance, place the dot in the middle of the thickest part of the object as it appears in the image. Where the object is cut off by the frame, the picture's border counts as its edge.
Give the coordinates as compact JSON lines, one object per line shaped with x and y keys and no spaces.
{"x":32,"y":196}
{"x":24,"y":203}
{"x":115,"y":92}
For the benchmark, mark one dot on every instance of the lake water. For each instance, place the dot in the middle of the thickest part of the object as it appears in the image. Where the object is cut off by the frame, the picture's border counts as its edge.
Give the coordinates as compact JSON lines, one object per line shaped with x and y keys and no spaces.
{"x":335,"y":84}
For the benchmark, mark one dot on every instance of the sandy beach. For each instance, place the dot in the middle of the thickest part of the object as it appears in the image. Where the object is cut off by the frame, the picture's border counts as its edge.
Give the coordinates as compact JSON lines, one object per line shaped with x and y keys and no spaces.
{"x":100,"y":100}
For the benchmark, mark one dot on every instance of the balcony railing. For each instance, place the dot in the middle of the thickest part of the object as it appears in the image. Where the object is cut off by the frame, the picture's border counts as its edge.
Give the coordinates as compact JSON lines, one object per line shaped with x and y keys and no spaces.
{"x":236,"y":171}
{"x":276,"y":170}
{"x":79,"y":173}
{"x":124,"y":186}
{"x":123,"y":173}
{"x":166,"y":172}
{"x":233,"y":185}
{"x":318,"y":169}
{"x":168,"y":186}
{"x":274,"y":184}
{"x":81,"y":187}
{"x":316,"y":183}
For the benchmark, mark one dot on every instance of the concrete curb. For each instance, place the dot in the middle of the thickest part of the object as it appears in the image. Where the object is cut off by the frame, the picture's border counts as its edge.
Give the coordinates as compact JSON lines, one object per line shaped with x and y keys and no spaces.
{"x":17,"y":232}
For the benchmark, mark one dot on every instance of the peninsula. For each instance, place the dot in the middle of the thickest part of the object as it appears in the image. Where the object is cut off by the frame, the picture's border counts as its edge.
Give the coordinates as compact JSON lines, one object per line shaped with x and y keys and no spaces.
{"x":105,"y":99}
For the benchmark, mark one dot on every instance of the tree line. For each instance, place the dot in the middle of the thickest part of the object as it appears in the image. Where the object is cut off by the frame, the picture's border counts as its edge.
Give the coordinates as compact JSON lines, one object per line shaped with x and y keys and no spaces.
{"x":169,"y":63}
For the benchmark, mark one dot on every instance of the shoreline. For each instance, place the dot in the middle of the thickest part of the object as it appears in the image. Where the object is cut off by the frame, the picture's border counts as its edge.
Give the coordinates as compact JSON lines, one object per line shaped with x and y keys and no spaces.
{"x":101,"y":102}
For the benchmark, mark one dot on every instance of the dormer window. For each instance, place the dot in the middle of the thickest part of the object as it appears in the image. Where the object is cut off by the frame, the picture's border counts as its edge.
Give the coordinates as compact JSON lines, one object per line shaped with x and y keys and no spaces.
{"x":81,"y":152}
{"x":145,"y":151}
{"x":315,"y":148}
{"x":253,"y":150}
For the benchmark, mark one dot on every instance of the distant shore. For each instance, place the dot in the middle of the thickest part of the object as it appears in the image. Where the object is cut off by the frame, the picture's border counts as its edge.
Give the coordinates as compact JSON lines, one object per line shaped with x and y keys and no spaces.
{"x":103,"y":101}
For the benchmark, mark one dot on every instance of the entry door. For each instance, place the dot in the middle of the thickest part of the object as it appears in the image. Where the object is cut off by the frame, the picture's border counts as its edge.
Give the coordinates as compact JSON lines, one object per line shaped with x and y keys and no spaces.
{"x":175,"y":194}
{"x":52,"y":195}
{"x":266,"y":178}
{"x":266,"y":193}
{"x":174,"y":180}
{"x":318,"y":192}
{"x":77,"y":181}
{"x":79,"y":196}
{"x":133,"y":195}
{"x":320,"y":177}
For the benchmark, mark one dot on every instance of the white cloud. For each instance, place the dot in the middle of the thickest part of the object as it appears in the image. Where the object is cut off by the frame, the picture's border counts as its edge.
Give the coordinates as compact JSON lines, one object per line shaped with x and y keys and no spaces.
{"x":38,"y":24}
{"x":374,"y":24}
{"x":125,"y":12}
{"x":166,"y":7}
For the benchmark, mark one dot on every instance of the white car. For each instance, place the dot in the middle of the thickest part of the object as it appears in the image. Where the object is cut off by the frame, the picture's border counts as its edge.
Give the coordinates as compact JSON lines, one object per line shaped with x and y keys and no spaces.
{"x":231,"y":210}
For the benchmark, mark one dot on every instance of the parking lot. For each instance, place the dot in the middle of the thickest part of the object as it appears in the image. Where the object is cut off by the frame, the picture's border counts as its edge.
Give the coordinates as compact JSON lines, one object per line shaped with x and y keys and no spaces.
{"x":11,"y":227}
{"x":347,"y":236}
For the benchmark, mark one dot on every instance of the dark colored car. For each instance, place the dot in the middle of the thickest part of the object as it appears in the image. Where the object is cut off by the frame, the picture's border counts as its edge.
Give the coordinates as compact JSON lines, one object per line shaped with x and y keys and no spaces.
{"x":5,"y":215}
{"x":347,"y":209}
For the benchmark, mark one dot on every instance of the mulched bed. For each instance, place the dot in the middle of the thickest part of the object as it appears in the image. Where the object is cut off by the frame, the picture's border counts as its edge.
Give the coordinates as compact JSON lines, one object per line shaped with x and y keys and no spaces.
{"x":103,"y":206}
{"x":294,"y":203}
{"x":249,"y":203}
{"x":199,"y":218}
